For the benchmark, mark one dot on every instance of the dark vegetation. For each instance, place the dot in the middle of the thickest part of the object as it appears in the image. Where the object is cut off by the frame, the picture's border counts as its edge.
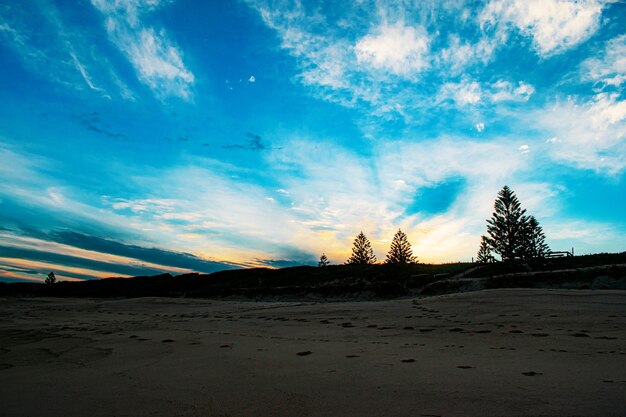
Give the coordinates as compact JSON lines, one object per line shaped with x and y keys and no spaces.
{"x":337,"y":282}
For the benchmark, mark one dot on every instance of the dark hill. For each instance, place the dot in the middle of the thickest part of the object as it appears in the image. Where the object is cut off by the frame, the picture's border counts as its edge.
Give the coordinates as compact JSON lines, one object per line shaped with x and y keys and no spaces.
{"x":346,"y":281}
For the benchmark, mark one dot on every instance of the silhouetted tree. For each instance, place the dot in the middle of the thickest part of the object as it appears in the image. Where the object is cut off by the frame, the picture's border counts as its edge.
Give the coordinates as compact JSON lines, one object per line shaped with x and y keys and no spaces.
{"x":484,"y":252}
{"x":512,"y":234}
{"x":534,"y":246}
{"x":507,"y":226}
{"x":51,"y":278}
{"x":323,"y":260}
{"x":362,"y":252}
{"x":400,"y":251}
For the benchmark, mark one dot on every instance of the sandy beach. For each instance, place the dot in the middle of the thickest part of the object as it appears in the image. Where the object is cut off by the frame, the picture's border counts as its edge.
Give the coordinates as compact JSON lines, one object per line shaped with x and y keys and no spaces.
{"x":508,"y":352}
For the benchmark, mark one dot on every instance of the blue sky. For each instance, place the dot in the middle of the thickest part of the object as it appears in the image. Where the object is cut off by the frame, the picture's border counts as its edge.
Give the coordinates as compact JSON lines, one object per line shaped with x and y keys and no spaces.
{"x":144,"y":136}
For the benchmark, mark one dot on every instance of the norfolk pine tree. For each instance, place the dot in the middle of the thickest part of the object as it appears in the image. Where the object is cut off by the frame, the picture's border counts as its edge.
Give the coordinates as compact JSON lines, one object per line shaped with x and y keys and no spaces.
{"x":362,"y":252}
{"x":511,"y":233}
{"x":484,"y":252}
{"x":535,"y":246}
{"x":400,"y":251}
{"x":507,"y":226}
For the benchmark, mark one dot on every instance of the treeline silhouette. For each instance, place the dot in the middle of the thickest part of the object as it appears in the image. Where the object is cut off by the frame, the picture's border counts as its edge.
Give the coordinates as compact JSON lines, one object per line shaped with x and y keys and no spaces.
{"x":373,"y":281}
{"x":511,"y":234}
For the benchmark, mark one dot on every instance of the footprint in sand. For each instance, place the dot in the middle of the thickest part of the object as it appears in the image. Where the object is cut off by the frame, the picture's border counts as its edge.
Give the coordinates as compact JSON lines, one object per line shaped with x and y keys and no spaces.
{"x":409,"y":328}
{"x":348,"y":324}
{"x":426,"y":330}
{"x":456,"y":329}
{"x":305,"y":353}
{"x":408,"y":360}
{"x":372,"y":326}
{"x":531,"y":373}
{"x":515,"y":331}
{"x":540,"y":334}
{"x":226,"y":346}
{"x":580,"y":335}
{"x":464,"y":367}
{"x":352,"y":356}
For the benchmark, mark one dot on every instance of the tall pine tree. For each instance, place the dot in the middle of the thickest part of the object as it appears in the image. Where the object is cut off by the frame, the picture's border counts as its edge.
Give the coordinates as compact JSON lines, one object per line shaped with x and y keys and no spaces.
{"x":362,"y":252}
{"x":507,"y":227}
{"x":400,"y":251}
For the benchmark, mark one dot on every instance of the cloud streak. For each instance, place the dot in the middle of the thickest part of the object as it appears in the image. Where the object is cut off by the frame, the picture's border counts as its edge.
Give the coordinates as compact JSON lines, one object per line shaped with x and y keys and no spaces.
{"x":157,"y":60}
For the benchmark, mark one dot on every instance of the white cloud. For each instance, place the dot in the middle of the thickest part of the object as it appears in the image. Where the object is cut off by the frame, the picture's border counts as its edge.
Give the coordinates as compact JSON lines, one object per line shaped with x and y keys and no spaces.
{"x":480,"y":127}
{"x":388,"y":63}
{"x":471,"y":92}
{"x":554,"y":25}
{"x":459,"y":55}
{"x":524,"y":149}
{"x":462,"y":93}
{"x":591,"y":134}
{"x":157,"y":60}
{"x":354,"y":62}
{"x":397,"y":49}
{"x":251,"y":79}
{"x":505,"y":91}
{"x":610,"y":67}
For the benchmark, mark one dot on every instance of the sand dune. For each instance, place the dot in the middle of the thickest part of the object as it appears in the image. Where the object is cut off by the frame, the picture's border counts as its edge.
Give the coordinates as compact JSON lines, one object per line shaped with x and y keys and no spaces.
{"x":507,"y":352}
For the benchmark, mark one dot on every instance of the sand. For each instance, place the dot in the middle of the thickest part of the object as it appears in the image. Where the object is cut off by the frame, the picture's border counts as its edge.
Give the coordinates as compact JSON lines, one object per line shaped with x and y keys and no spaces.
{"x":506,"y":352}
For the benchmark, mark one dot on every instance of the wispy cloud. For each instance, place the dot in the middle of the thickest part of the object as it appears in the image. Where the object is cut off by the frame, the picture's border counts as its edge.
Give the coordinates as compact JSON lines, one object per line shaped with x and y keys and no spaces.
{"x":609,"y":68}
{"x":53,"y":48}
{"x":157,"y":60}
{"x":460,"y":54}
{"x":470,"y":92}
{"x":586,"y":133}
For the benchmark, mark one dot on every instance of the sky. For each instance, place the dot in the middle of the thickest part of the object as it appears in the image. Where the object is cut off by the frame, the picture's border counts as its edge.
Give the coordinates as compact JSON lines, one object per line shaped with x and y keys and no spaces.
{"x":146,"y":136}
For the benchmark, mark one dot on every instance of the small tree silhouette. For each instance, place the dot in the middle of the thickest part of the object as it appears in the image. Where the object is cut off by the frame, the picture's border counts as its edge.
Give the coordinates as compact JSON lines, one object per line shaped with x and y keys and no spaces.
{"x":484,"y":252}
{"x":51,"y":278}
{"x":323,"y":260}
{"x":362,"y":252}
{"x":400,"y":251}
{"x":534,"y":246}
